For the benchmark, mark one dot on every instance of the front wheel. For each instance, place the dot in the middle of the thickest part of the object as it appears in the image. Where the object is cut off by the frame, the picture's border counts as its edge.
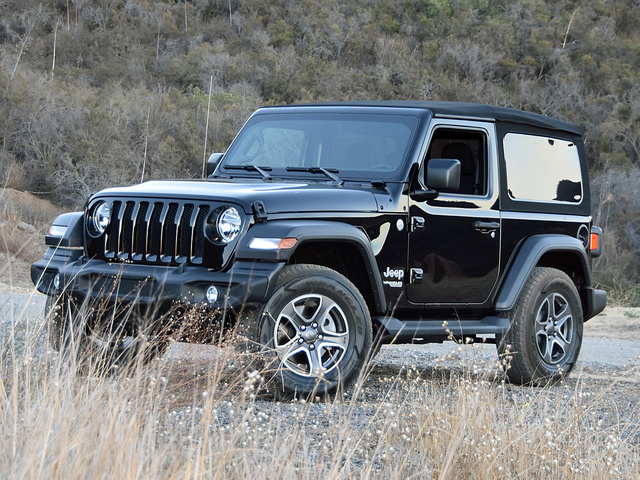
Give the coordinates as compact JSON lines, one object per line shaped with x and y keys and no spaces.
{"x":315,"y":331}
{"x":544,"y":339}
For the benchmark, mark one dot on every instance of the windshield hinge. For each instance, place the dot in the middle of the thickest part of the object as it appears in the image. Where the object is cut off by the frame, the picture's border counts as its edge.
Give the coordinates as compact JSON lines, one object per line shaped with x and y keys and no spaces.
{"x":259,"y":212}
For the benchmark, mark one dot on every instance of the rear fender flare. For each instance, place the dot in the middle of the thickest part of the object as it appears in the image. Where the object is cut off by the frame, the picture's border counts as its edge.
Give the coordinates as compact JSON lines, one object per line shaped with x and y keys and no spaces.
{"x":527,"y":257}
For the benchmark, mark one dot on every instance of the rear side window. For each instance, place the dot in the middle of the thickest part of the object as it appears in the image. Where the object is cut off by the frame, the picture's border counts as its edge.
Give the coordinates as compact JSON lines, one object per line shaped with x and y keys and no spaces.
{"x":542,"y":169}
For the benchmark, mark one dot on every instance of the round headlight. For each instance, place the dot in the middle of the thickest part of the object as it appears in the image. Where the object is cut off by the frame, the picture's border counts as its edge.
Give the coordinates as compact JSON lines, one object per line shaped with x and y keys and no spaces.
{"x":228,"y":224}
{"x":99,"y":218}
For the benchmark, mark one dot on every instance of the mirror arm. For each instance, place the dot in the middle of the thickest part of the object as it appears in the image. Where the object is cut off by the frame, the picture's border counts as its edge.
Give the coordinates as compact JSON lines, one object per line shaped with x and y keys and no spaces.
{"x":213,"y":162}
{"x":424,"y":195}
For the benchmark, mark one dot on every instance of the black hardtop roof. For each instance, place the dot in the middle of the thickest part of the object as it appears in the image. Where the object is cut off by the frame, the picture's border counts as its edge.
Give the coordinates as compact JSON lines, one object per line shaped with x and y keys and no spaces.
{"x":463,"y":110}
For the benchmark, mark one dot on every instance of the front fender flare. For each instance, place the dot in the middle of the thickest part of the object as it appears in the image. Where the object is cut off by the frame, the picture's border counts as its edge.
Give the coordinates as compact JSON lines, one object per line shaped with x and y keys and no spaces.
{"x":73,"y":224}
{"x":312,"y":230}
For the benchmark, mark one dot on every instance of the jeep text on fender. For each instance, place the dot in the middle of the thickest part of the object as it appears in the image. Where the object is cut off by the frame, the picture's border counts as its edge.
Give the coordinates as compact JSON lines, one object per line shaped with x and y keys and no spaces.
{"x":328,"y":229}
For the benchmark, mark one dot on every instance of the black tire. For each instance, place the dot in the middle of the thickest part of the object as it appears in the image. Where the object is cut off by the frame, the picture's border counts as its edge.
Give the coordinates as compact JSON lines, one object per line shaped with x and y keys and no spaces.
{"x":314,"y":333}
{"x":99,"y":349}
{"x":376,"y":346}
{"x":543,"y":342}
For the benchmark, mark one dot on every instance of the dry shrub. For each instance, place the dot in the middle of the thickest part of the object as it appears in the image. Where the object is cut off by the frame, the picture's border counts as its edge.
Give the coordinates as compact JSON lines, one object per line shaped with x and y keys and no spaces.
{"x":19,"y":244}
{"x":14,"y":175}
{"x":18,"y":241}
{"x":203,"y":414}
{"x":616,"y":208}
{"x":22,"y":206}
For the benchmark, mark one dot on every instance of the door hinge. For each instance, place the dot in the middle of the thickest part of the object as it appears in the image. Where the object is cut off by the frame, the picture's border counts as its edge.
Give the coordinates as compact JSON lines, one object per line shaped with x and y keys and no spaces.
{"x":417,"y":224}
{"x":415,"y":275}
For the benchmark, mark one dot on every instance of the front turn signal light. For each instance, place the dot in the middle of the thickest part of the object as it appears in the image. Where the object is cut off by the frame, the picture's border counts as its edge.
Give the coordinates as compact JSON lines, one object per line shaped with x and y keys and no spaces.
{"x":287,"y":243}
{"x":273,"y":243}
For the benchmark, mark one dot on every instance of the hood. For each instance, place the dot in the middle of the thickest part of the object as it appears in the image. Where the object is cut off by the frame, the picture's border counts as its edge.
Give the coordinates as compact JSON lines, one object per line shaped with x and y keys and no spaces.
{"x":277,"y":197}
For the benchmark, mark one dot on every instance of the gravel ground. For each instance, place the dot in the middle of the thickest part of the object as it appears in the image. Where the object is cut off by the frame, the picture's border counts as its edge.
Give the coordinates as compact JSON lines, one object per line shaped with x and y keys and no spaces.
{"x":611,"y":340}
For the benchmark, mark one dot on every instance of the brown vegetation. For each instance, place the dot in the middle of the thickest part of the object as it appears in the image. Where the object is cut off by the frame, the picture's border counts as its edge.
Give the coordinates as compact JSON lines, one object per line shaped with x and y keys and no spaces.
{"x":94,"y":94}
{"x":24,"y":219}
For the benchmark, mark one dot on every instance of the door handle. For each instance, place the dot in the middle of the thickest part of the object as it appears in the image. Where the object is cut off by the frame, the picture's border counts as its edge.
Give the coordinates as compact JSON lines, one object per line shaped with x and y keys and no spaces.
{"x":486,"y":227}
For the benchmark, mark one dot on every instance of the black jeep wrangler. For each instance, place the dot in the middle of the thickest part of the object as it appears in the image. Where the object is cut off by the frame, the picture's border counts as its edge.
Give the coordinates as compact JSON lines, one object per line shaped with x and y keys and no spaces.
{"x":328,"y":229}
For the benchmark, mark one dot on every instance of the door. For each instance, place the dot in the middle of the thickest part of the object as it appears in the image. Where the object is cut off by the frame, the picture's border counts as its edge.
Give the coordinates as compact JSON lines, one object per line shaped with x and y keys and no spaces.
{"x":454,"y":243}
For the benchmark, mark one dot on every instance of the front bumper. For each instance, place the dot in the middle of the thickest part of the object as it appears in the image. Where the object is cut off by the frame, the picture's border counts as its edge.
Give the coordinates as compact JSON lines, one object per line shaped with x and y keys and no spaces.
{"x":245,"y":283}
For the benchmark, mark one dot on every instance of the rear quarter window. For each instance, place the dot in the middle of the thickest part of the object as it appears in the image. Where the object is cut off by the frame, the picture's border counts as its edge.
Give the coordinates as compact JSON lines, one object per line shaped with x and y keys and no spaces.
{"x":542,"y":169}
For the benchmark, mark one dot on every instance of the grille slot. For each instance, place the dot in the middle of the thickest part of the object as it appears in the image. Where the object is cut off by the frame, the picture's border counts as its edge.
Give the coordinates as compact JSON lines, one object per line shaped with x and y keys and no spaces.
{"x":186,"y":233}
{"x":198,"y":234}
{"x":126,"y":242}
{"x":165,"y":233}
{"x":169,"y":237}
{"x":140,"y":228}
{"x":113,"y":233}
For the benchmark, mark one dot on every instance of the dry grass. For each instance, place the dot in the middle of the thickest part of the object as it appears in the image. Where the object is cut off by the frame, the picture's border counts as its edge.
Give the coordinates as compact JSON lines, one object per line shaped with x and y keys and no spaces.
{"x":24,"y":206}
{"x":17,"y":207}
{"x":207,"y":416}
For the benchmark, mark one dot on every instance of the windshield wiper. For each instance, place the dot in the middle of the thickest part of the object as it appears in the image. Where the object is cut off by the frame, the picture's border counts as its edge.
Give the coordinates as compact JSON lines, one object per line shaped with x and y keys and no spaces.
{"x":328,"y":172}
{"x":250,"y":168}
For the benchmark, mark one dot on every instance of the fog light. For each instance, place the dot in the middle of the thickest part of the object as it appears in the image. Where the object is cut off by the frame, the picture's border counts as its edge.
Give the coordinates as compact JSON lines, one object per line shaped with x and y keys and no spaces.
{"x":56,"y":282}
{"x":212,"y":294}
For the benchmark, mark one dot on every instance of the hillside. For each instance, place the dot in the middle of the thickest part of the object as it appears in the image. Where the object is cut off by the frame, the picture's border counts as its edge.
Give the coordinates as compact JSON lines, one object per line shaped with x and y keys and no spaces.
{"x":116,"y":91}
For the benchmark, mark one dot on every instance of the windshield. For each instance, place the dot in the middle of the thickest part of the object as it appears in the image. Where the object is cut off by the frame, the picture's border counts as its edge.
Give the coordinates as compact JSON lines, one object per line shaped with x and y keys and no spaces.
{"x":353,"y":145}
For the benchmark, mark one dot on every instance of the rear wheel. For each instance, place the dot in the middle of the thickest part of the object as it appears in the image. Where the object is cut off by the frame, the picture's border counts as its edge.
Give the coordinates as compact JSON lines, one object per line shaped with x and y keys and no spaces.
{"x":544,"y":339}
{"x":314,"y":332}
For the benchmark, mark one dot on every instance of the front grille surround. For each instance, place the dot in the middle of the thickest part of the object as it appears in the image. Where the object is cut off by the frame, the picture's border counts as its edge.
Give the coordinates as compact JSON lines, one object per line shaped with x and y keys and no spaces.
{"x":159,"y":232}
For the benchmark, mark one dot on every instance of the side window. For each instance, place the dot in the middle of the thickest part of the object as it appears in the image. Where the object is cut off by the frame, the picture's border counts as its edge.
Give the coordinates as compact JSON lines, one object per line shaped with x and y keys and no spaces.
{"x":468,"y":146}
{"x":542,"y":169}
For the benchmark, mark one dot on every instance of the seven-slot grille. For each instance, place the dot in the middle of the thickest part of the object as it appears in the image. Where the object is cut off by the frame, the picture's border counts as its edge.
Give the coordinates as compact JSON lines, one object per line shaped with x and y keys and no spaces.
{"x":157,"y":232}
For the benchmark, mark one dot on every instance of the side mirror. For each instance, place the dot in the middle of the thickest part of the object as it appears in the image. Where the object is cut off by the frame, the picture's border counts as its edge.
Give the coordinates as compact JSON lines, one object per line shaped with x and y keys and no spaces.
{"x":443,"y":174}
{"x":213,"y":162}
